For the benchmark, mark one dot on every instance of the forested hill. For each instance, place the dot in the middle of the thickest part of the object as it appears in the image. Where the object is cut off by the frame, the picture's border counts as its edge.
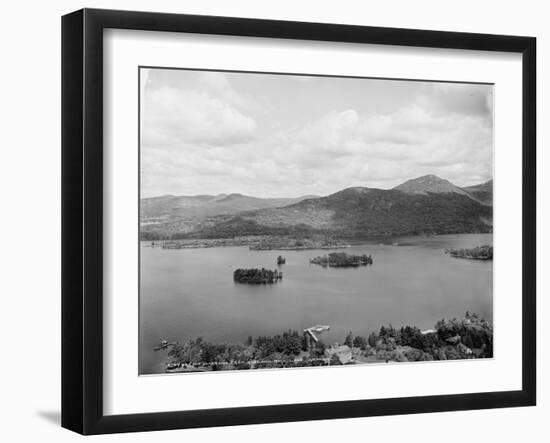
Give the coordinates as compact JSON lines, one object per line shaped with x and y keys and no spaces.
{"x":427,"y":205}
{"x":357,"y":212}
{"x":208,"y":205}
{"x":429,"y":184}
{"x":483,"y":192}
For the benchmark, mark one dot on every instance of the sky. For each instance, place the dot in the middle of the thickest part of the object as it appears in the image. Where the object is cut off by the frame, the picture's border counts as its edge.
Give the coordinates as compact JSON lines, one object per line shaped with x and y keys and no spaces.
{"x":271,"y":135}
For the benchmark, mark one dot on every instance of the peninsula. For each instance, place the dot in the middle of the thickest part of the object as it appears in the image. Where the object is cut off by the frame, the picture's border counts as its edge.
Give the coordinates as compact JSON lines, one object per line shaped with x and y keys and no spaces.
{"x":484,"y":252}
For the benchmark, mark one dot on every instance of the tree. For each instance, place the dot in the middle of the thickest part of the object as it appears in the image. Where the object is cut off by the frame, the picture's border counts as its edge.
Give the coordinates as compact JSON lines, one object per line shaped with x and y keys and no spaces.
{"x":373,"y":338}
{"x":411,"y":336}
{"x":360,"y":342}
{"x":304,"y":342}
{"x":290,"y":343}
{"x":318,"y":350}
{"x":349,"y":340}
{"x":209,"y":352}
{"x":335,"y":360}
{"x":452,"y":353}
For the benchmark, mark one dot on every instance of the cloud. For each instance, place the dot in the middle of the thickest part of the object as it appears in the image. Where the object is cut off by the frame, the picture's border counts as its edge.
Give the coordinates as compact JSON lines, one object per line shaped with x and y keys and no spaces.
{"x":210,"y":133}
{"x":457,"y":98}
{"x":191,"y":127}
{"x":172,"y":116}
{"x":375,"y":150}
{"x":217,"y":85}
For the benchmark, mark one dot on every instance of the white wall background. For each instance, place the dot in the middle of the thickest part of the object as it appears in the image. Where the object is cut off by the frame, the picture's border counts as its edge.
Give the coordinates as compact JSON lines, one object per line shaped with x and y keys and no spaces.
{"x":30,"y":218}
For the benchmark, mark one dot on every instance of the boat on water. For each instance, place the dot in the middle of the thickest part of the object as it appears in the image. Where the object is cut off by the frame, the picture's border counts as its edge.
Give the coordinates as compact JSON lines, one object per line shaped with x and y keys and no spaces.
{"x":281,"y":260}
{"x":163,"y":345}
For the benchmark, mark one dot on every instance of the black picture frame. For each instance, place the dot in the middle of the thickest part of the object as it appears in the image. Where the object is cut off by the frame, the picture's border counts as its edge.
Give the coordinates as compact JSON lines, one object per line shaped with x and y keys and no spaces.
{"x":82,"y":220}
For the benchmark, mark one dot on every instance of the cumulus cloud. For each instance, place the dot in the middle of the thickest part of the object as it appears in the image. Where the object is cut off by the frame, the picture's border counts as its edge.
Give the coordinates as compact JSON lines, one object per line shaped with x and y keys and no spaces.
{"x":379,"y":149}
{"x":172,"y":116}
{"x":210,"y":134}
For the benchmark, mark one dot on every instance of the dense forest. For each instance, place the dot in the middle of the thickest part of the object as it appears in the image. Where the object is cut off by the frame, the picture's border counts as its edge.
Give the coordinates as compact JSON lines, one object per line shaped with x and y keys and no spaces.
{"x":348,"y":214}
{"x":465,"y":338}
{"x":352,"y":215}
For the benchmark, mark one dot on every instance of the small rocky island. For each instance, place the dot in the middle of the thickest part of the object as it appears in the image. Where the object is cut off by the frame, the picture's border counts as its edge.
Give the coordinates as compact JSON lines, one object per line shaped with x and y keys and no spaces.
{"x":257,"y":276}
{"x":484,"y":252}
{"x":342,"y":260}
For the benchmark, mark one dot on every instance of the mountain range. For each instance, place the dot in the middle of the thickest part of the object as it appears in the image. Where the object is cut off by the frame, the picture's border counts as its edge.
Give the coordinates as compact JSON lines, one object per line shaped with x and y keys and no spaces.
{"x":424,"y":205}
{"x":208,"y":205}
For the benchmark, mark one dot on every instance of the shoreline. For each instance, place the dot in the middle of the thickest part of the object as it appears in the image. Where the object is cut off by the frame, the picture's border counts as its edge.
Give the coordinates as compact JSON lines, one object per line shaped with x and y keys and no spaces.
{"x":468,"y":337}
{"x":469,"y":257}
{"x":273,"y":243}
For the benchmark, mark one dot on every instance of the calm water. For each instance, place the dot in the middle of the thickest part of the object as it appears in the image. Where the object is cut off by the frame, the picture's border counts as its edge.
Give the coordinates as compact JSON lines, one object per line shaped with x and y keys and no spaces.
{"x":188,"y":293}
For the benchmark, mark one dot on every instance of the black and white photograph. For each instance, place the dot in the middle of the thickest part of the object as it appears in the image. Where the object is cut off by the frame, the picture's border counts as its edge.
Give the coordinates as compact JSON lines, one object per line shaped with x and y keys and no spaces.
{"x":290,"y":221}
{"x":275,"y":220}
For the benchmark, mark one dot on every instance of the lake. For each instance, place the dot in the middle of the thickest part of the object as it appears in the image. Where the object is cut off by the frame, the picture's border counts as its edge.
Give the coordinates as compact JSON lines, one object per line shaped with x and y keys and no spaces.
{"x":187,"y":293}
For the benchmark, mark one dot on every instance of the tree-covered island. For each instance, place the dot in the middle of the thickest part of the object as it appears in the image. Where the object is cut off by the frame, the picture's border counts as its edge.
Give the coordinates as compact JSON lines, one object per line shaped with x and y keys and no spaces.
{"x":484,"y":252}
{"x":257,"y":276}
{"x":342,"y":260}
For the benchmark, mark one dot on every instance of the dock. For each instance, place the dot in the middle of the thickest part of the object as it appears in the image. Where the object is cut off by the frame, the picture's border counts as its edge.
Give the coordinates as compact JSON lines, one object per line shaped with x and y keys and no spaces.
{"x":311,"y":333}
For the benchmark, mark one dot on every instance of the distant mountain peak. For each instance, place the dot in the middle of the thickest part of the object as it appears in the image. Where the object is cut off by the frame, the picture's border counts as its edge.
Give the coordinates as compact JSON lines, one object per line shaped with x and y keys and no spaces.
{"x":429,"y":177}
{"x":232,"y":196}
{"x":429,"y":183}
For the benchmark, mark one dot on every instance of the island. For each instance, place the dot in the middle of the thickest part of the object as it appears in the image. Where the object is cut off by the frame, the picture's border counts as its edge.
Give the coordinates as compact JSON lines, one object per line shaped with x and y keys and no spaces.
{"x":342,"y":260}
{"x":484,"y":252}
{"x":296,"y":244}
{"x":257,"y":276}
